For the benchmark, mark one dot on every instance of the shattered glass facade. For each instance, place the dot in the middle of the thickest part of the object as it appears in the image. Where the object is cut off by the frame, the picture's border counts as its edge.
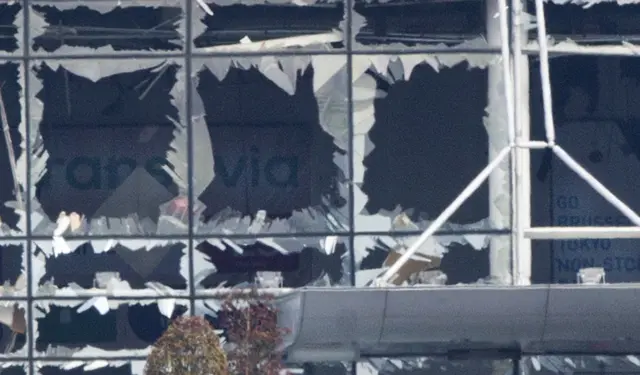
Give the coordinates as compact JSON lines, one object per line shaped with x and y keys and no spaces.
{"x":155,"y":151}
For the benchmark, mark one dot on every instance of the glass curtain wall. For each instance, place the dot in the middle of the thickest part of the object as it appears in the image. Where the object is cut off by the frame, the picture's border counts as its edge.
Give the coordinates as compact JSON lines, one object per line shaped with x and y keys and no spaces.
{"x":172,"y":147}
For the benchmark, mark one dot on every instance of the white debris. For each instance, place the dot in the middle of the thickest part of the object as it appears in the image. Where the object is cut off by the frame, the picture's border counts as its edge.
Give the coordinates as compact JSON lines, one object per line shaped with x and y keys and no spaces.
{"x":100,"y":303}
{"x":166,"y":306}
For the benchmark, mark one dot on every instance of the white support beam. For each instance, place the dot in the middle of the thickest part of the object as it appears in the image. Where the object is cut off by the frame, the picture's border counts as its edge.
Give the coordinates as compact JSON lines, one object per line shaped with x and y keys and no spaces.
{"x":521,"y":179}
{"x":597,"y":185}
{"x":571,"y":48}
{"x":500,"y":128}
{"x":444,"y":216}
{"x":575,"y":233}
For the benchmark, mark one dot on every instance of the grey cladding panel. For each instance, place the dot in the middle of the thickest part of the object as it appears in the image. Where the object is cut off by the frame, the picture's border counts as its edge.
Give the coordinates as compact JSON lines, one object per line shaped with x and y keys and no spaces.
{"x":455,"y":314}
{"x":537,"y":319}
{"x":602,"y":314}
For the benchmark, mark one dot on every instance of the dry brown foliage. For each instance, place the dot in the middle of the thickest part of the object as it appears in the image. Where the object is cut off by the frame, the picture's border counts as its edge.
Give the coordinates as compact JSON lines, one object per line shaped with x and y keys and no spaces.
{"x":251,"y":321}
{"x":188,"y":347}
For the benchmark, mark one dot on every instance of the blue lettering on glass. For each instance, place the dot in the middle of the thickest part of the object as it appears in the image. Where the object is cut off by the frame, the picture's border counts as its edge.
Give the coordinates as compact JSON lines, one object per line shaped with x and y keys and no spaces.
{"x":617,"y":263}
{"x":585,"y":244}
{"x":588,"y":220}
{"x":277,"y":171}
{"x":567,"y":202}
{"x":97,"y":173}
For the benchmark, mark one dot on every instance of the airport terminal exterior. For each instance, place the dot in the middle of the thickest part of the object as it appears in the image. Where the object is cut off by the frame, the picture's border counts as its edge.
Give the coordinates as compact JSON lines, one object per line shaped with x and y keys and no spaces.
{"x":428,"y":186}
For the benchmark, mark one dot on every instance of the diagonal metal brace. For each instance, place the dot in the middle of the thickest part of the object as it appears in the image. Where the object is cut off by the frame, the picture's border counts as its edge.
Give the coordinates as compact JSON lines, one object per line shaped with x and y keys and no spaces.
{"x":444,"y":216}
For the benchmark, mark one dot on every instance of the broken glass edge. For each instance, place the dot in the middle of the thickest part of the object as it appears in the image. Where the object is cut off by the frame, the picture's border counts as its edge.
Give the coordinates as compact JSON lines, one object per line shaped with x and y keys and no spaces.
{"x":570,"y":46}
{"x":282,"y":71}
{"x":49,"y":289}
{"x":19,"y":23}
{"x":590,"y":3}
{"x":363,"y":122}
{"x":107,"y":5}
{"x":38,"y":25}
{"x":21,"y":168}
{"x":480,"y":43}
{"x":203,"y":267}
{"x":95,"y":70}
{"x":137,"y":366}
{"x":90,"y":352}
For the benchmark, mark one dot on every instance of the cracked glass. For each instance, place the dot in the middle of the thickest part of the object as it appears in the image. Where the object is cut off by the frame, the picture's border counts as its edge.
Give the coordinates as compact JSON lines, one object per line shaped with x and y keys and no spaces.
{"x":228,"y":26}
{"x":270,"y":145}
{"x":100,"y":27}
{"x":410,"y":162}
{"x":108,"y":148}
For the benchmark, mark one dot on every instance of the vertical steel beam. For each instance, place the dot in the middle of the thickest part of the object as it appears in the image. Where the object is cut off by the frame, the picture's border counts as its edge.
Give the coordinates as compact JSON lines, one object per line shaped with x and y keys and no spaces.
{"x":521,"y":178}
{"x":498,"y":117}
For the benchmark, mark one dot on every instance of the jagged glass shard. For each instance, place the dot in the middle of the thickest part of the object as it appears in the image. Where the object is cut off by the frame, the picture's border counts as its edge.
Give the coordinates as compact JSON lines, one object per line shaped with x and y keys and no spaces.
{"x":304,"y":84}
{"x":299,"y":262}
{"x":100,"y":303}
{"x":109,"y":191}
{"x":63,"y":28}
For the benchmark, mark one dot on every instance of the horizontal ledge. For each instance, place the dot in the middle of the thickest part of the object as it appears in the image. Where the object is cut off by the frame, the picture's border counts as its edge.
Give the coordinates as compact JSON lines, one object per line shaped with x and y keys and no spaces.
{"x":561,"y":233}
{"x":619,"y":49}
{"x":489,"y":321}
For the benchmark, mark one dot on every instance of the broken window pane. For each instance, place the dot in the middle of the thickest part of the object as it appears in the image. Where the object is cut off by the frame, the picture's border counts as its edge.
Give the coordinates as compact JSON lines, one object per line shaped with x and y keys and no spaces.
{"x":272,"y":26}
{"x":402,"y":24}
{"x":10,"y":37}
{"x":595,"y":111}
{"x":14,"y":370}
{"x":104,"y":28}
{"x":420,"y":140}
{"x":14,"y":283}
{"x":111,"y":369}
{"x":63,"y":329}
{"x":110,"y":265}
{"x":109,"y":151}
{"x":442,"y":260}
{"x":431,"y":365}
{"x":590,"y":23}
{"x":292,"y":262}
{"x":270,"y":145}
{"x":581,"y":364}
{"x":13,"y":267}
{"x":12,"y":162}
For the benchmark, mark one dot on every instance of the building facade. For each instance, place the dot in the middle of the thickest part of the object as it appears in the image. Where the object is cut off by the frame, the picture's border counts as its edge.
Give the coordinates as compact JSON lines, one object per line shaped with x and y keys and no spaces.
{"x":157,"y":150}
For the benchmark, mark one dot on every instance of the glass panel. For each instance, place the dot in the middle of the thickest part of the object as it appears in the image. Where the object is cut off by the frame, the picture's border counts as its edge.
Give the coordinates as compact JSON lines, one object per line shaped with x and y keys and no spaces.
{"x":54,"y":369}
{"x":13,"y":265}
{"x":406,"y":24}
{"x":560,"y":261}
{"x":14,"y":370}
{"x":105,"y":265}
{"x":64,"y":329}
{"x":323,"y":368}
{"x":595,"y":111}
{"x":232,"y":26}
{"x":10,"y":36}
{"x":271,"y":144}
{"x":432,"y":366}
{"x":105,"y":28}
{"x":292,"y":262}
{"x":581,"y":365}
{"x":109,"y":148}
{"x":12,"y":155}
{"x":450,"y":260}
{"x":420,"y":140}
{"x":596,"y":24}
